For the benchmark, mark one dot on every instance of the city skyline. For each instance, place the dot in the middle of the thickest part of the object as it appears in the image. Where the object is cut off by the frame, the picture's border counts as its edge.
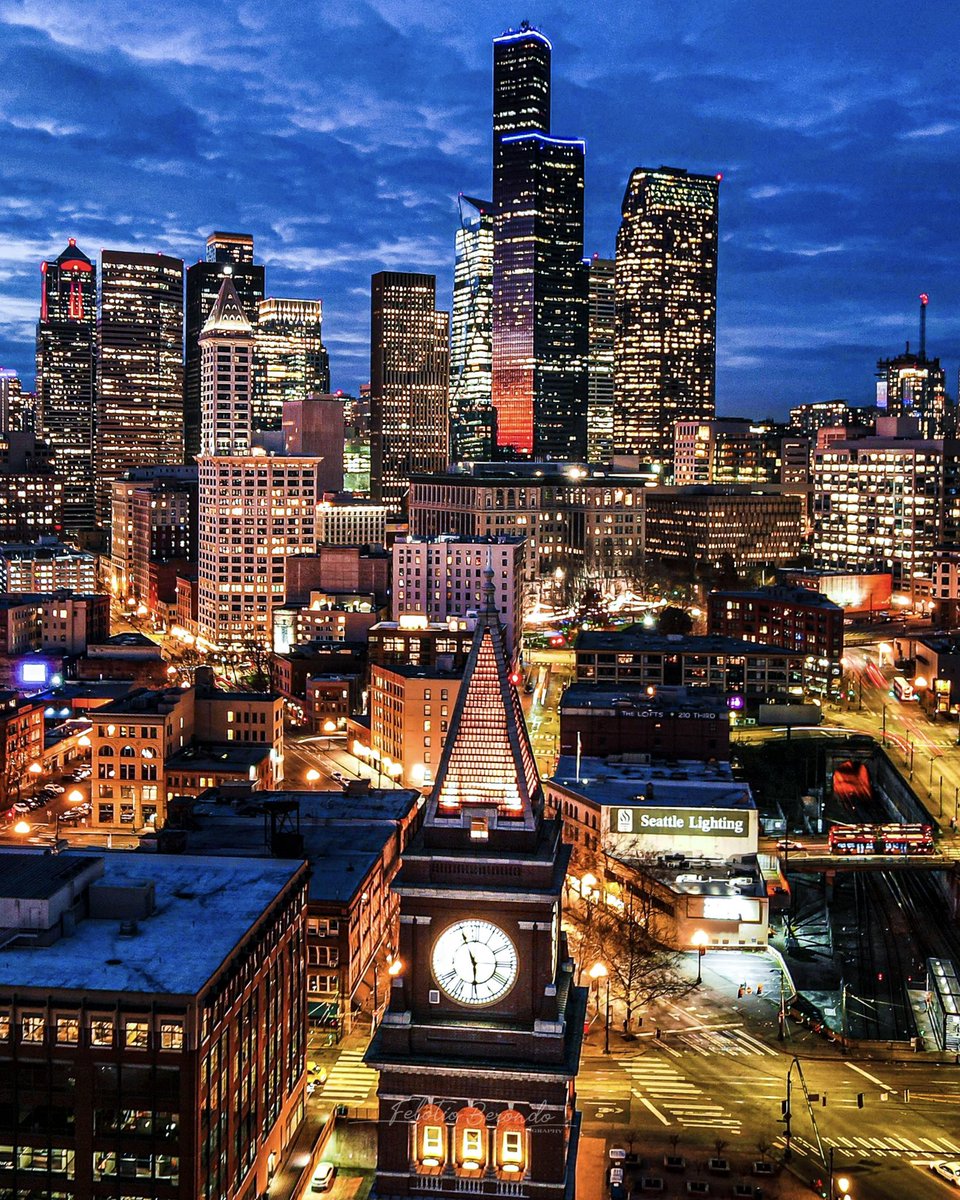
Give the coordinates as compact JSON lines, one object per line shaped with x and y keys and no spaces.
{"x":838,"y":173}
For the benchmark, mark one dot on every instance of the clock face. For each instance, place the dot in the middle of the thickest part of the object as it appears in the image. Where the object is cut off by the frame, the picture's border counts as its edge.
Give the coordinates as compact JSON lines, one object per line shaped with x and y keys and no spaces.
{"x":474,"y":962}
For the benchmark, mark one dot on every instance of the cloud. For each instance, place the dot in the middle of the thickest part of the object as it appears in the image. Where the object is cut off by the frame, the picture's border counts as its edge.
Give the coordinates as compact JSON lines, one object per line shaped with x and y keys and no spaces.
{"x":340,"y":135}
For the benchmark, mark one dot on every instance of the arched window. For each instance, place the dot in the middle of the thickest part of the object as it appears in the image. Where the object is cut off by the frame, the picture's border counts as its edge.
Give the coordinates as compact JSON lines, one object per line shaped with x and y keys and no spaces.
{"x":128,"y":752}
{"x":148,"y":752}
{"x":511,"y":1143}
{"x":430,"y":1134}
{"x":106,"y":752}
{"x":470,"y":1139}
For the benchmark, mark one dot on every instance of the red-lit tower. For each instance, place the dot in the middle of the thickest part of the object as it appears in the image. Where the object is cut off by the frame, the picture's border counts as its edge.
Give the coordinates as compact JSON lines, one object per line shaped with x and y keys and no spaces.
{"x":66,"y":340}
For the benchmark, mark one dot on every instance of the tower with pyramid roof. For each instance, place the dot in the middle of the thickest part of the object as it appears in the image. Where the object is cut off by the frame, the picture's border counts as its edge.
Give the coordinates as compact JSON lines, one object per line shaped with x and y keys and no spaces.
{"x":479,"y":1047}
{"x":255,"y":508}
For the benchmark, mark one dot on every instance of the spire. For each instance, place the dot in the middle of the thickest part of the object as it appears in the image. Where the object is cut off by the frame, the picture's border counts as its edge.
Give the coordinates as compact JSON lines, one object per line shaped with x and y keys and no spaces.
{"x":227,"y":315}
{"x":487,"y":760}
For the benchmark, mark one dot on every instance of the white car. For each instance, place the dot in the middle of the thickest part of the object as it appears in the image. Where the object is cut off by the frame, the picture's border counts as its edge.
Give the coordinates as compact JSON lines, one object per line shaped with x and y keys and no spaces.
{"x":950,"y":1171}
{"x":323,"y":1178}
{"x":787,"y":844}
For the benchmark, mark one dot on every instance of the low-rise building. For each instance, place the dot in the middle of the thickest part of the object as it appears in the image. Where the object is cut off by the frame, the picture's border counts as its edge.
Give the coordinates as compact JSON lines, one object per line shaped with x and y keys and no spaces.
{"x":331,"y":699}
{"x":640,"y":658}
{"x":345,"y":521}
{"x":599,"y":719}
{"x":289,"y":672}
{"x":352,"y":842}
{"x":937,"y":677}
{"x":338,"y":570}
{"x":62,"y":621}
{"x":325,"y":617}
{"x":21,"y":743}
{"x":859,"y":593}
{"x":417,"y":642}
{"x":169,"y":994}
{"x":795,"y":618}
{"x":758,"y":525}
{"x":676,"y":842}
{"x":410,"y":710}
{"x":47,"y":566}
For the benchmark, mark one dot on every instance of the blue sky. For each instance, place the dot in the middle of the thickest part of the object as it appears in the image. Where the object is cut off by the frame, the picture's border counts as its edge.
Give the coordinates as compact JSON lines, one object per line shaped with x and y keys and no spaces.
{"x":339,"y":134}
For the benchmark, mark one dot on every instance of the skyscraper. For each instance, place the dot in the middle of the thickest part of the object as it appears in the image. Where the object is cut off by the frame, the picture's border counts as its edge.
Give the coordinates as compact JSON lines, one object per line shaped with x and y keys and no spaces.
{"x":228,"y":256}
{"x":472,"y":423}
{"x":66,"y":340}
{"x":600,"y":360}
{"x":290,"y":359}
{"x":255,"y":508}
{"x":539,"y":280}
{"x":139,"y":367}
{"x":409,"y":377}
{"x":666,"y":309}
{"x":915,"y":385}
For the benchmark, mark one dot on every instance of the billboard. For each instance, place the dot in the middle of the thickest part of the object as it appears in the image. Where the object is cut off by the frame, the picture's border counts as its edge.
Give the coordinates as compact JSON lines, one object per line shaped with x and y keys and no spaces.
{"x":683,"y":822}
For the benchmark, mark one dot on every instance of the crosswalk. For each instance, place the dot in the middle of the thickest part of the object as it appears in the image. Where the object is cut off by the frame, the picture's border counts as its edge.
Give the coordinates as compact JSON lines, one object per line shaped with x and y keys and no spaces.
{"x":349,"y":1081}
{"x":916,"y":1149}
{"x":659,"y":1085}
{"x":709,"y":1042}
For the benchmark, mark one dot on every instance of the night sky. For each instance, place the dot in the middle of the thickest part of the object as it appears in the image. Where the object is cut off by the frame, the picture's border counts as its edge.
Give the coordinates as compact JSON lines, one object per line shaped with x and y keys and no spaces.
{"x":340,"y":133}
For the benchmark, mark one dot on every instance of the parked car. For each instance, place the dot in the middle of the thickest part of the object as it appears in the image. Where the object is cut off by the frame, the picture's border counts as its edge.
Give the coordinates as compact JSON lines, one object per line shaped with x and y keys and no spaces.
{"x":789,"y":844}
{"x":55,"y":789}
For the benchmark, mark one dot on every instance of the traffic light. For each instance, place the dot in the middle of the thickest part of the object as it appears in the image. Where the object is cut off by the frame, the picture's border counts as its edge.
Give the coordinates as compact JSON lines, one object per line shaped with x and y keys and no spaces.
{"x":859,"y":1099}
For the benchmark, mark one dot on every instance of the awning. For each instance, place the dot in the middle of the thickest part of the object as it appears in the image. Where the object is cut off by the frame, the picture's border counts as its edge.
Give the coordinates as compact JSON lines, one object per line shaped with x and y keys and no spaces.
{"x":325,"y":1013}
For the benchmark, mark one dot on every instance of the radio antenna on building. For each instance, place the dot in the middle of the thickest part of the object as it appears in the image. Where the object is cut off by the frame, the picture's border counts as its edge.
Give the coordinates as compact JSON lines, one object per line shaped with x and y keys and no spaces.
{"x":924,"y":300}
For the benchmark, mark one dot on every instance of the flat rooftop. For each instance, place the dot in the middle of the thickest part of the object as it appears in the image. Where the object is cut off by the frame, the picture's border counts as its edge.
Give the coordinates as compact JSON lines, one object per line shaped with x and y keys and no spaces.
{"x":143,"y":700}
{"x":201,"y":915}
{"x":684,"y":783}
{"x":607,"y":697}
{"x":644,"y":641}
{"x":343,"y":836}
{"x":236,"y":756}
{"x":782,"y":594}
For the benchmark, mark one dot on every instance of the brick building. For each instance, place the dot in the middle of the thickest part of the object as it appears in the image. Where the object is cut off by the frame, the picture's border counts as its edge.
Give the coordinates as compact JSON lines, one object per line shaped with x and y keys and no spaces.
{"x":601,"y":719}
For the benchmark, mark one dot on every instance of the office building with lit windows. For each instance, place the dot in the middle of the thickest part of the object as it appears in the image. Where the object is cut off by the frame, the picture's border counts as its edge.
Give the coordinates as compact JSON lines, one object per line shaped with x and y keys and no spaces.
{"x":443,"y":577}
{"x":737,"y":450}
{"x":409,"y":382}
{"x":153,"y":531}
{"x":472,"y":418}
{"x":410,"y":709}
{"x":914,"y":385}
{"x":540,"y":284}
{"x":169,"y":993}
{"x":290,"y":359}
{"x":600,"y":392}
{"x":66,"y":377}
{"x":139,"y":367}
{"x":31,"y":489}
{"x":255,"y":509}
{"x":759,"y":525}
{"x":228,"y":256}
{"x":666,"y":309}
{"x":886,"y":502}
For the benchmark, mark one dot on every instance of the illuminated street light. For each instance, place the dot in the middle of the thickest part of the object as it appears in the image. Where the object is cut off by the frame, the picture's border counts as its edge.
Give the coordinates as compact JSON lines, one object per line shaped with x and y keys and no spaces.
{"x":76,"y":796}
{"x":920,"y":682}
{"x":700,"y":941}
{"x":313,"y":775}
{"x":597,"y":972}
{"x":843,"y":1185}
{"x":395,"y":967}
{"x":21,"y":828}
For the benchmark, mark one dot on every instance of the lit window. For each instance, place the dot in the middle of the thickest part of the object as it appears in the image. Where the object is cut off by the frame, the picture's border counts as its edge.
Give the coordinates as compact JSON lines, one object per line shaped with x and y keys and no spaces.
{"x":33,"y":1027}
{"x":136,"y":1035}
{"x":68,"y":1031}
{"x":101,"y":1031}
{"x":171,"y":1035}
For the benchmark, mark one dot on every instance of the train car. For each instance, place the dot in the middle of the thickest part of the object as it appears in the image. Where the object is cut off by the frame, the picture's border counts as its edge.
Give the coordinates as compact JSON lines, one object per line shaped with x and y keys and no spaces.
{"x":900,"y":840}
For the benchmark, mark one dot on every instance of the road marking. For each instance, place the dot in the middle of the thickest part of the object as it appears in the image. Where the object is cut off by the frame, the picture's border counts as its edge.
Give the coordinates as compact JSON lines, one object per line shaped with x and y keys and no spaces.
{"x":756,"y":1042}
{"x":656,"y":1112}
{"x":873,"y":1079}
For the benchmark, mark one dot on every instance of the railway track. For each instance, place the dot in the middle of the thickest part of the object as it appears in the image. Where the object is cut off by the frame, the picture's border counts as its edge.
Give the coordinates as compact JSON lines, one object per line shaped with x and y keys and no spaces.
{"x":880,"y":1007}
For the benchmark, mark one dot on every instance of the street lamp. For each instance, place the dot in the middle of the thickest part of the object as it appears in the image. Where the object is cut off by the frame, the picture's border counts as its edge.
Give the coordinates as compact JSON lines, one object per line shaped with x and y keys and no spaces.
{"x":36,"y":771}
{"x":313,"y":775}
{"x":21,"y":828}
{"x":700,"y":941}
{"x":597,"y":972}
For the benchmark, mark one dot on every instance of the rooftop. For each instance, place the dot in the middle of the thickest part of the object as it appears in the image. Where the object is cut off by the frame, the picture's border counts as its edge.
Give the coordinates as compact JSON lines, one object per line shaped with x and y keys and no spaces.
{"x":456,"y":539}
{"x":636,"y":638}
{"x":780,"y":593}
{"x":43,"y":550}
{"x":686,"y":783}
{"x":142,"y":701}
{"x":344,"y":836}
{"x":235,"y":756}
{"x":664,"y":699}
{"x":408,"y":671}
{"x":200,"y":916}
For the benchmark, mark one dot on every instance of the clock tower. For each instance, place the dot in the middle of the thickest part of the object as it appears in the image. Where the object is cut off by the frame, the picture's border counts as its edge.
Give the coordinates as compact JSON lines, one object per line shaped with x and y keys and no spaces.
{"x":479,"y":1047}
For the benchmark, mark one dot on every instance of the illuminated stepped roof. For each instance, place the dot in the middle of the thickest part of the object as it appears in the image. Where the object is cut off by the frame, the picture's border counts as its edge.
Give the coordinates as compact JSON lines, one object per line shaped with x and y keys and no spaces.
{"x":487,"y":759}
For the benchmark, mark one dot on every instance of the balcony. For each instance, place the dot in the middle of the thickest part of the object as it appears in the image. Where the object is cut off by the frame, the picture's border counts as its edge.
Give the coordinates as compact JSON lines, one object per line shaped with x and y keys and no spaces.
{"x":445,"y":1181}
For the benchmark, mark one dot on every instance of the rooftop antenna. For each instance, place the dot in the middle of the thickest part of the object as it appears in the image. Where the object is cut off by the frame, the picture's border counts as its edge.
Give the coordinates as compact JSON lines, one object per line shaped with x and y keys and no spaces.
{"x":924,"y":301}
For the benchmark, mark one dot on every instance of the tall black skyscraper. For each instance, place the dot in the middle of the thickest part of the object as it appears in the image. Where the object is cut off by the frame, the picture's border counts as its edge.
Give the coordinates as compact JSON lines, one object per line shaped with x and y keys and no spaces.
{"x":539,"y":280}
{"x":66,"y":372}
{"x":665,"y":351}
{"x":229,"y":256}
